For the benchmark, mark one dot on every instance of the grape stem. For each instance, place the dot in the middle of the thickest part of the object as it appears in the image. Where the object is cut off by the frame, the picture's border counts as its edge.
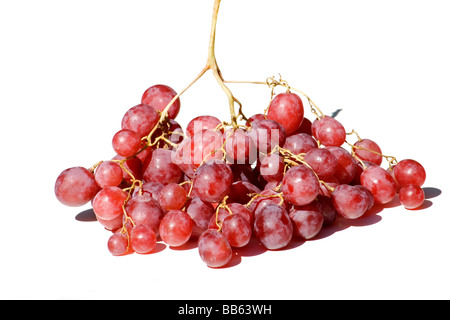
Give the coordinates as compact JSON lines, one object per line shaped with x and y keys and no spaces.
{"x":211,"y":64}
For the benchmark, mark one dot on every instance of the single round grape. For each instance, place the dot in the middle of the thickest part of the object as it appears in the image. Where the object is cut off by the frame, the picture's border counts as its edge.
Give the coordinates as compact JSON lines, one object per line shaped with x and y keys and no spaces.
{"x":212,"y":181}
{"x":161,"y":168}
{"x":172,"y":197}
{"x":159,"y":96}
{"x":273,"y":227}
{"x":365,"y":154}
{"x":200,"y":123}
{"x":349,"y":201}
{"x":322,"y":161}
{"x":272,"y":167}
{"x":201,"y":213}
{"x":409,"y":171}
{"x":144,"y":210}
{"x":329,"y":131}
{"x":126,"y":143}
{"x":411,"y":196}
{"x":307,"y":220}
{"x":108,"y":174}
{"x":118,"y":244}
{"x":346,"y":167}
{"x":140,"y":119}
{"x":287,"y":109}
{"x":176,"y":228}
{"x":239,"y":147}
{"x":300,"y":143}
{"x":237,"y":230}
{"x":108,"y":203}
{"x":75,"y":187}
{"x":214,"y":249}
{"x":142,"y":239}
{"x":266,"y":134}
{"x":300,"y":185}
{"x":380,"y":183}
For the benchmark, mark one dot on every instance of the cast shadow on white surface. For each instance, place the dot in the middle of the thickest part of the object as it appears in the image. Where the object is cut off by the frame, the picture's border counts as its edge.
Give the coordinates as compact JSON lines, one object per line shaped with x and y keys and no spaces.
{"x":86,"y":216}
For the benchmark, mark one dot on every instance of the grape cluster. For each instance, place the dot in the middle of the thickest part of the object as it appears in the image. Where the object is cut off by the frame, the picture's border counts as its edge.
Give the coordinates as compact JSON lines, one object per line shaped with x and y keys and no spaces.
{"x":277,"y":176}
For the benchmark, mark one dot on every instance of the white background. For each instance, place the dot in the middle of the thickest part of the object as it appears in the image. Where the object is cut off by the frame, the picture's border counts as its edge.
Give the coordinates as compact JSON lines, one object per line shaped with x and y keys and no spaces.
{"x":70,"y":69}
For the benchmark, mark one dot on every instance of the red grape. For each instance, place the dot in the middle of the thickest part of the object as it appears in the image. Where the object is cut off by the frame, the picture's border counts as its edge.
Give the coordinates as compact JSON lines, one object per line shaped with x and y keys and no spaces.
{"x":258,"y":116}
{"x":368,"y":144}
{"x":307,"y":220}
{"x":300,"y":185}
{"x":411,"y":196}
{"x":212,"y":181}
{"x":172,"y":197}
{"x":266,"y":134}
{"x":329,"y":132}
{"x":201,"y":213}
{"x":380,"y":183}
{"x":300,"y":143}
{"x":108,"y":174}
{"x":237,"y":230}
{"x":241,"y":190}
{"x":322,"y":161}
{"x":346,"y":167}
{"x":193,"y":151}
{"x":140,"y":119}
{"x":327,"y":208}
{"x":239,"y":147}
{"x":126,"y":143}
{"x":287,"y":109}
{"x":201,"y":123}
{"x":272,"y":167}
{"x":409,"y":171}
{"x":142,"y":239}
{"x":349,"y":201}
{"x":118,"y":244}
{"x":214,"y":249}
{"x":273,"y":227}
{"x":159,"y":96}
{"x":176,"y":228}
{"x":146,"y":211}
{"x":75,"y":187}
{"x":108,"y":203}
{"x":161,"y":168}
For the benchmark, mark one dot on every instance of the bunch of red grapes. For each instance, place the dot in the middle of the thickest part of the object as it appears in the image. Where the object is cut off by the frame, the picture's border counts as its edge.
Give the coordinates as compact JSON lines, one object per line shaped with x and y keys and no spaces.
{"x":276,"y":177}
